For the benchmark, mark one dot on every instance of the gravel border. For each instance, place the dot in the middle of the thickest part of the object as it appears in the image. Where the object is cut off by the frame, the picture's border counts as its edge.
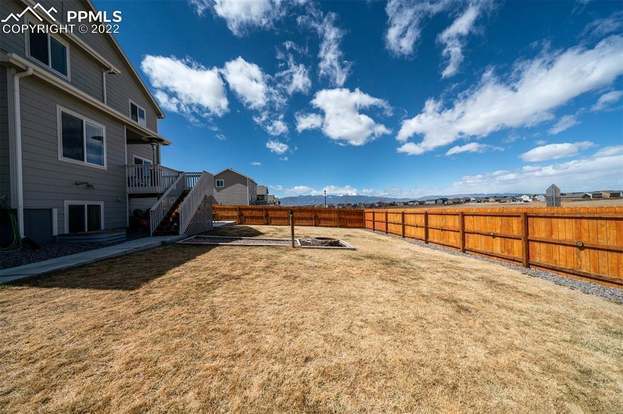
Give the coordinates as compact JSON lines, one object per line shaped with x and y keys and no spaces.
{"x":612,"y":294}
{"x":26,"y":255}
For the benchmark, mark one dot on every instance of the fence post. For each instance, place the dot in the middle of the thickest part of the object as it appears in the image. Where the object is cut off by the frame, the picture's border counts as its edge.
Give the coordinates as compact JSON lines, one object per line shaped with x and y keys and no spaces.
{"x":525,"y":252}
{"x":266,"y":216}
{"x":373,"y":220}
{"x":291,"y":214}
{"x":402,"y":222}
{"x":386,"y":223}
{"x":426,"y":227}
{"x":239,"y":217}
{"x":315,"y":217}
{"x":462,"y":223}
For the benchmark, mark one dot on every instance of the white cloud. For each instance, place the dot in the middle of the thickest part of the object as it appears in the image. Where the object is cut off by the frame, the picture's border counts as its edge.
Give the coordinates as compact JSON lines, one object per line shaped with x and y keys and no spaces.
{"x":186,"y":87}
{"x":453,"y":37}
{"x":610,"y":151}
{"x":471,"y":147}
{"x":601,"y":170}
{"x":404,"y":19}
{"x":298,"y":190}
{"x":247,"y":81}
{"x":256,"y":163}
{"x":555,"y":151}
{"x":342,"y":120}
{"x":308,"y":121}
{"x":606,"y":100}
{"x":242,"y":15}
{"x":255,"y":91}
{"x":536,"y":88}
{"x":272,"y":123}
{"x":277,"y":147}
{"x":565,"y":122}
{"x":605,"y":26}
{"x":340,"y":190}
{"x":332,"y":64}
{"x":295,"y":78}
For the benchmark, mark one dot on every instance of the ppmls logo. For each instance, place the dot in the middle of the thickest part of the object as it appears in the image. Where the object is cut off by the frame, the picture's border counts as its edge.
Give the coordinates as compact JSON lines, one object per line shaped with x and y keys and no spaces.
{"x":37,"y":10}
{"x":83,"y":21}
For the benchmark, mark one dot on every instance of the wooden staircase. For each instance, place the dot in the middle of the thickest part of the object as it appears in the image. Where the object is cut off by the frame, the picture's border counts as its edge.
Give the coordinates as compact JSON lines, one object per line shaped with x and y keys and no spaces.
{"x":171,"y":222}
{"x":176,"y":210}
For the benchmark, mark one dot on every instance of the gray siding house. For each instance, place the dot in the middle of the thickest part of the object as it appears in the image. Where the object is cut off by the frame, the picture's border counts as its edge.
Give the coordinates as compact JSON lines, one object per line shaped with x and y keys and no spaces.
{"x":233,"y":188}
{"x":79,"y":147}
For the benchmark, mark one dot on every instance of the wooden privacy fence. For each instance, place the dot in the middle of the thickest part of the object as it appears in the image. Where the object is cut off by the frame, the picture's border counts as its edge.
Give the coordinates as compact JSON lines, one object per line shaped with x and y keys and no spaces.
{"x":303,"y":216}
{"x":586,"y":242}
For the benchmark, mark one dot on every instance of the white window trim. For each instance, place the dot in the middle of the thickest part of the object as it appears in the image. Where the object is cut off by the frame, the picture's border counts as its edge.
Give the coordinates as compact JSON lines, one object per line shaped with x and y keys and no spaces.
{"x":59,"y":127}
{"x":217,"y":181}
{"x":138,"y":119}
{"x":49,"y":65}
{"x":141,"y":158}
{"x":68,"y":203}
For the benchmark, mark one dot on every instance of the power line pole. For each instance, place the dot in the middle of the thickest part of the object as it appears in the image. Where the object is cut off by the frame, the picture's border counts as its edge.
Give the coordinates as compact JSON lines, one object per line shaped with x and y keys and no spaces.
{"x":325,"y":198}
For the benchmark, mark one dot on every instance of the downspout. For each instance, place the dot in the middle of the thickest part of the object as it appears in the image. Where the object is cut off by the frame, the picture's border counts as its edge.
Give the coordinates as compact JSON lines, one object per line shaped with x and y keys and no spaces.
{"x":18,"y":148}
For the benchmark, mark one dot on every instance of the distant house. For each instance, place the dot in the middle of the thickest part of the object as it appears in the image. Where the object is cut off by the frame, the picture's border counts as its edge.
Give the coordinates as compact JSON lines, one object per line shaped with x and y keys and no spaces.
{"x":264,"y":197}
{"x":233,"y":188}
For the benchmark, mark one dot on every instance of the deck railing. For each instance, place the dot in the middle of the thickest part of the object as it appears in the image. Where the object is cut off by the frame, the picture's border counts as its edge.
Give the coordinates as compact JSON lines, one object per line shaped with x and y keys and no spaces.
{"x":150,"y":179}
{"x":203,"y":187}
{"x":191,"y":179}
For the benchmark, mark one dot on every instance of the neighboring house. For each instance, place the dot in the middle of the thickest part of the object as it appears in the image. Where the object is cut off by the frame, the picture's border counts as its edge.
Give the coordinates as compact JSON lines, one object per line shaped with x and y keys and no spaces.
{"x":233,"y":188}
{"x":576,"y":196}
{"x":83,"y":147}
{"x":264,"y":197}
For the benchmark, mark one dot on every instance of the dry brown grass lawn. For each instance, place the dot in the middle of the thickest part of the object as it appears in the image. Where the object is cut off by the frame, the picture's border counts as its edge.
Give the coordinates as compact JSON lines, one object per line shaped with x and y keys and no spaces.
{"x":389,"y":327}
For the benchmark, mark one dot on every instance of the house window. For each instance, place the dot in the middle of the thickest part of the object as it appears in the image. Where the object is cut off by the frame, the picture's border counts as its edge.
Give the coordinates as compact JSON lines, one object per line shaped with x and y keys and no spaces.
{"x":84,"y":216}
{"x":141,"y":161}
{"x":137,"y":114}
{"x":80,"y":139}
{"x":220,"y":183}
{"x":49,"y":51}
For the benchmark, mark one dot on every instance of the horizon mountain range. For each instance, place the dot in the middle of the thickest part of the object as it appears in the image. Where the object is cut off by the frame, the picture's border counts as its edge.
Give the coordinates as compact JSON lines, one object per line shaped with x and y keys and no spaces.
{"x":302,"y":200}
{"x":356,"y":199}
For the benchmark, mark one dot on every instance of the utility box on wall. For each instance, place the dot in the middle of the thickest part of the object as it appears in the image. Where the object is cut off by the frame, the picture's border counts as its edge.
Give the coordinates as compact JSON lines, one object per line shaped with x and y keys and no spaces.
{"x":39,"y":224}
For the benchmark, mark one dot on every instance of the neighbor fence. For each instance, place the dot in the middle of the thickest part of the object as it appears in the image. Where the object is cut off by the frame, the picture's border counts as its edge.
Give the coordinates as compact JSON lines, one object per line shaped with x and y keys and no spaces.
{"x":582,"y":241}
{"x":587,"y":242}
{"x":303,"y":216}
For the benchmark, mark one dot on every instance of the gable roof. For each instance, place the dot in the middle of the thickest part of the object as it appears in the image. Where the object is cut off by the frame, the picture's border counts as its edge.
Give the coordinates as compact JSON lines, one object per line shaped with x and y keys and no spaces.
{"x":236,"y":172}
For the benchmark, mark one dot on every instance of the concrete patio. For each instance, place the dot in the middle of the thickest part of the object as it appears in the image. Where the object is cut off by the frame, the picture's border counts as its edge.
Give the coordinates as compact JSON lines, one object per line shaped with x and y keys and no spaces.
{"x":79,"y":259}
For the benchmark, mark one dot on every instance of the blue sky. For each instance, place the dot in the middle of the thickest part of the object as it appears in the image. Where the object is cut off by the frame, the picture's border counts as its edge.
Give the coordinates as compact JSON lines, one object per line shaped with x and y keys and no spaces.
{"x":398,"y":98}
